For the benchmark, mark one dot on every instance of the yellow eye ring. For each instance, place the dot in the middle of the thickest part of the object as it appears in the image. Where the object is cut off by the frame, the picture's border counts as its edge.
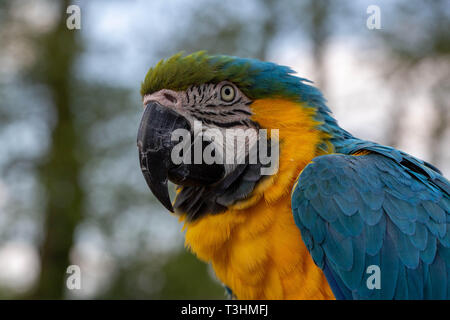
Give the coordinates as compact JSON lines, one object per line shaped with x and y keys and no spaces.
{"x":227,"y":93}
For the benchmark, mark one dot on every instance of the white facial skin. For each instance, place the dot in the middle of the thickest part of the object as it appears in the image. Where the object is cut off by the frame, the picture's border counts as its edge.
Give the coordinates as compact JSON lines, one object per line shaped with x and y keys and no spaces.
{"x":208,"y":103}
{"x":221,"y":106}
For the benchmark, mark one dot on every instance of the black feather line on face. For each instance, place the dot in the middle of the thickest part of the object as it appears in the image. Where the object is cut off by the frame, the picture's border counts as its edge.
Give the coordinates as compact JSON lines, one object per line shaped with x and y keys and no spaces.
{"x":222,"y":124}
{"x":223,"y":113}
{"x":248,"y":113}
{"x":211,"y":97}
{"x":195,"y":201}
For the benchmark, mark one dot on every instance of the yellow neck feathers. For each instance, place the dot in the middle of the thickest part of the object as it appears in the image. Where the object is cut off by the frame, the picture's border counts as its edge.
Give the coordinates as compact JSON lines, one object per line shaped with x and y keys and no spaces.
{"x":255,"y":247}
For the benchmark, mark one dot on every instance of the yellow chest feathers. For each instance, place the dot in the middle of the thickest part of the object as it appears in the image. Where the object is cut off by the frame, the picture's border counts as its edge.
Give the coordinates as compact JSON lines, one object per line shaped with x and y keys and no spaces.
{"x":255,"y":247}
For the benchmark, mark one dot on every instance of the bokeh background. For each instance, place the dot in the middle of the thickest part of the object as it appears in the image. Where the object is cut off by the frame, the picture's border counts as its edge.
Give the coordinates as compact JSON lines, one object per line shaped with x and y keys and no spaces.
{"x":71,"y":191}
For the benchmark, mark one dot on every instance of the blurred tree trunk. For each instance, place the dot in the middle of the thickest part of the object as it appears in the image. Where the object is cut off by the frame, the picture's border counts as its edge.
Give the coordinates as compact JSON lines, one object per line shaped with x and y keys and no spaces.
{"x":396,"y":115}
{"x":60,"y":170}
{"x":441,"y":106}
{"x":319,"y":34}
{"x":268,"y":29}
{"x":438,"y":131}
{"x":441,"y":91}
{"x":433,"y":16}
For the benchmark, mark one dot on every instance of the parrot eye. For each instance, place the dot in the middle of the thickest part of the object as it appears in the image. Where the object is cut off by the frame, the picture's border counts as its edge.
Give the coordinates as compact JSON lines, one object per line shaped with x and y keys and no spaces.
{"x":227,"y":93}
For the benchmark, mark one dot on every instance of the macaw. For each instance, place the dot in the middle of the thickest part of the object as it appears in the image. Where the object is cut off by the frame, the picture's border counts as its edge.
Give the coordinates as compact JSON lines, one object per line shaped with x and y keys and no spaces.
{"x":339,"y":218}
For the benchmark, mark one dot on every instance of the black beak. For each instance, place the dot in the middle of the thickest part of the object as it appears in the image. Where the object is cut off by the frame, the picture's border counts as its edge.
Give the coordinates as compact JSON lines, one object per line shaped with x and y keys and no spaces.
{"x":155,"y":146}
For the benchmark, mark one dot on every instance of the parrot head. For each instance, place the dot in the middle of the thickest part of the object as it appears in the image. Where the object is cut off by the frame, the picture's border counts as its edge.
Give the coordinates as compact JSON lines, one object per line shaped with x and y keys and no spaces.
{"x":190,"y":101}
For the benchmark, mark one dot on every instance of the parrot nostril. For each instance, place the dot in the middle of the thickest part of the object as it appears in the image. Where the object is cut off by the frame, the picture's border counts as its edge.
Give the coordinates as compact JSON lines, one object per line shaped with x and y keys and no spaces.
{"x":170,"y":97}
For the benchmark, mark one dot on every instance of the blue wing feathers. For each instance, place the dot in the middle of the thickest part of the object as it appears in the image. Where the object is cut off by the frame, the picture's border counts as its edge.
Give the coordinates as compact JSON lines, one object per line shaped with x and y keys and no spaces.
{"x":339,"y":249}
{"x":420,"y":237}
{"x":390,"y":262}
{"x":374,"y":235}
{"x":386,"y":209}
{"x":339,"y":290}
{"x":401,"y":289}
{"x":428,"y":254}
